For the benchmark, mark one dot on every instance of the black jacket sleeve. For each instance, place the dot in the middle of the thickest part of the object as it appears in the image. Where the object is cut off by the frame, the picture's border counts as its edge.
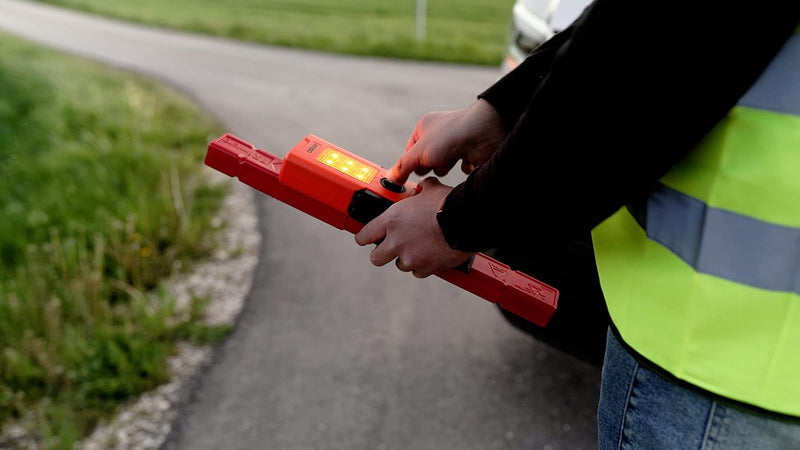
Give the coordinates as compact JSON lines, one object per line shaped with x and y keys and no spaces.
{"x":626,"y":93}
{"x":511,"y":94}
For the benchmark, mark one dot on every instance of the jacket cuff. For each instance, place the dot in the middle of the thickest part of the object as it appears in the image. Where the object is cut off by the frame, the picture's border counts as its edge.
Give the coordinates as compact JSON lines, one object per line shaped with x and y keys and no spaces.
{"x":461,"y":228}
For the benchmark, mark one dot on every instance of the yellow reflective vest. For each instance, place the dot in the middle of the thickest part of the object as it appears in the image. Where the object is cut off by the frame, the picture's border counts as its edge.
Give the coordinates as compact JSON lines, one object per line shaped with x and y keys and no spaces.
{"x":704,"y":279}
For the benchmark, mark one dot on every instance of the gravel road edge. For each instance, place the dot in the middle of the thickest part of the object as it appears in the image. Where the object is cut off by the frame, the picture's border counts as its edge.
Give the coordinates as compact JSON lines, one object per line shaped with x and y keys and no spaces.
{"x":225,"y":279}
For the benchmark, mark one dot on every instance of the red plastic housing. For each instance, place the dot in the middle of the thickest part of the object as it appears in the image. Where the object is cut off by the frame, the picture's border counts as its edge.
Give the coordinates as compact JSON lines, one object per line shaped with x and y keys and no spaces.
{"x":320,"y":179}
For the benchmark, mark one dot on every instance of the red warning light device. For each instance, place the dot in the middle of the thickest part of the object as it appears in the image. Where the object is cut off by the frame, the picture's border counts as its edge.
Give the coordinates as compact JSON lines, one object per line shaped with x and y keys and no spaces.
{"x":346,"y":191}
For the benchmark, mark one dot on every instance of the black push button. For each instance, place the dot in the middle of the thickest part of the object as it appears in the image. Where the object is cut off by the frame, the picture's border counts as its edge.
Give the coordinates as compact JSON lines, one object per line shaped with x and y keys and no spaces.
{"x":392,"y":186}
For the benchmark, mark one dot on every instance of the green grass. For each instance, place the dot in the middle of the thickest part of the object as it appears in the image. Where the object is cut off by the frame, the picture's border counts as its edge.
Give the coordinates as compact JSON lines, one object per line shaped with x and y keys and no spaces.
{"x":461,"y":31}
{"x":102,"y":194}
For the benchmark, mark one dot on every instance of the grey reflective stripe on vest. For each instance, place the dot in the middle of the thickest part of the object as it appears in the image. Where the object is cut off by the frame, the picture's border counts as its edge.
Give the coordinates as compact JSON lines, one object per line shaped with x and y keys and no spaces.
{"x":723,"y":243}
{"x":778,"y":88}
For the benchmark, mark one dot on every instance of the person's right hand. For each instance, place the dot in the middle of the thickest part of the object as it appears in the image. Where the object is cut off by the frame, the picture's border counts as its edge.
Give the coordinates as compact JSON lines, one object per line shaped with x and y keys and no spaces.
{"x":441,"y":138}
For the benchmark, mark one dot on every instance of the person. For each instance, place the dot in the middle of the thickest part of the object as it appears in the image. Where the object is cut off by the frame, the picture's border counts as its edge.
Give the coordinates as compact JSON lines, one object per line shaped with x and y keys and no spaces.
{"x":671,"y":133}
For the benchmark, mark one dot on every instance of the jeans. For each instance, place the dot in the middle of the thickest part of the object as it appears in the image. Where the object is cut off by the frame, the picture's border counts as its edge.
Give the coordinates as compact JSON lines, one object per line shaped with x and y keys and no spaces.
{"x":640,"y":409}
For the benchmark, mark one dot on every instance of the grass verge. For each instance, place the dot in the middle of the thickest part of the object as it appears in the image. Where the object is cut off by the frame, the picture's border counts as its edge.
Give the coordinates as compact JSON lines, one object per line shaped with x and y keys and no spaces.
{"x":460,"y":31}
{"x":102,"y":195}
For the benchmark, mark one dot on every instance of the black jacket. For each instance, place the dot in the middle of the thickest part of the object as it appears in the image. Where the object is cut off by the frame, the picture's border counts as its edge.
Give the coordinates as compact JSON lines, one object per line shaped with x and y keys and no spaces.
{"x":604,"y":108}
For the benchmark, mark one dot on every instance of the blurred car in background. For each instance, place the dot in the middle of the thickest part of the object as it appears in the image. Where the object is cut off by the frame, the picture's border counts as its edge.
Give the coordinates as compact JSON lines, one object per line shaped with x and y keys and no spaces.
{"x":535,"y":21}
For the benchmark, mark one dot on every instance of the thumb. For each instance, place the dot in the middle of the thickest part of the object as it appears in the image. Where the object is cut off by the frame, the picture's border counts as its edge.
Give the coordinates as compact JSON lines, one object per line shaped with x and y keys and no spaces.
{"x":429,"y":182}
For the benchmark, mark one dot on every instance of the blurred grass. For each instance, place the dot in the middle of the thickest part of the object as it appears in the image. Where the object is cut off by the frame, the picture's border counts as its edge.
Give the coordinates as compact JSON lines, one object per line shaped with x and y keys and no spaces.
{"x":460,"y":31}
{"x":101,"y":197}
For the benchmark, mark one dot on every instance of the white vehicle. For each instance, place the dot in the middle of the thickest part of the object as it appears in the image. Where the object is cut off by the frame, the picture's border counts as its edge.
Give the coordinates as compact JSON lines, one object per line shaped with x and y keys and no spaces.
{"x":535,"y":21}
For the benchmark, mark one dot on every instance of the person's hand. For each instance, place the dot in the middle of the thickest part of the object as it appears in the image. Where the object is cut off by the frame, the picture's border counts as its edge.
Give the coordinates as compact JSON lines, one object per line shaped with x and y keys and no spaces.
{"x":408,"y":231}
{"x":441,"y":138}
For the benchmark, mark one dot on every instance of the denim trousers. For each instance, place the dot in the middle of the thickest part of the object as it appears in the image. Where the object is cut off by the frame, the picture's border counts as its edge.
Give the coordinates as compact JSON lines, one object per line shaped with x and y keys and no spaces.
{"x":642,"y":409}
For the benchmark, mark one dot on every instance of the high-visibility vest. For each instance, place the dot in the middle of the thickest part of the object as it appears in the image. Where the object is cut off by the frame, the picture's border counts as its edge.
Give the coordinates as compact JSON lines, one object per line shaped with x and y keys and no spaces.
{"x":704,"y":279}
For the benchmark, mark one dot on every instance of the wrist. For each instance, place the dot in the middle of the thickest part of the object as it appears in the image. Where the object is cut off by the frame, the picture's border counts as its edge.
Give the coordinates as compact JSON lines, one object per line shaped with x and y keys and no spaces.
{"x":489,"y":114}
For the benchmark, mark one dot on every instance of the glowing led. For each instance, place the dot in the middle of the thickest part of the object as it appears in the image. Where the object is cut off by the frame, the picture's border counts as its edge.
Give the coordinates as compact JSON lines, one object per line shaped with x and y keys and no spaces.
{"x":347,"y":165}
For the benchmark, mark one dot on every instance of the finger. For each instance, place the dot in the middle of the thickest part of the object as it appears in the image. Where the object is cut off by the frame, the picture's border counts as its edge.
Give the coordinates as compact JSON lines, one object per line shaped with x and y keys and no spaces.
{"x":381,"y":255}
{"x":466,"y":167}
{"x":412,"y":139}
{"x":441,"y":171}
{"x":422,"y":170}
{"x":400,"y":171}
{"x":373,"y":232}
{"x":410,"y":160}
{"x":396,"y":172}
{"x":419,"y":274}
{"x":400,"y":266}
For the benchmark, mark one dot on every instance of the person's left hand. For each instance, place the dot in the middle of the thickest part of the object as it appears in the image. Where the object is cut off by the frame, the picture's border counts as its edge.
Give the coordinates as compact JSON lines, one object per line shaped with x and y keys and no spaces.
{"x":408,"y":231}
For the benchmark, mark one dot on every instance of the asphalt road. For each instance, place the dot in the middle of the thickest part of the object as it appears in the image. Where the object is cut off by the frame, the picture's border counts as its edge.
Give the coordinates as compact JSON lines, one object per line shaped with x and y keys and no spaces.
{"x":329,"y":351}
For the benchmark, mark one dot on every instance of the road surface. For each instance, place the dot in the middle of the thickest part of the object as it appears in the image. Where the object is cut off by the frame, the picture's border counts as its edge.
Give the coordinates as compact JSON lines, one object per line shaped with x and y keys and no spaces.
{"x":330,"y":352}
